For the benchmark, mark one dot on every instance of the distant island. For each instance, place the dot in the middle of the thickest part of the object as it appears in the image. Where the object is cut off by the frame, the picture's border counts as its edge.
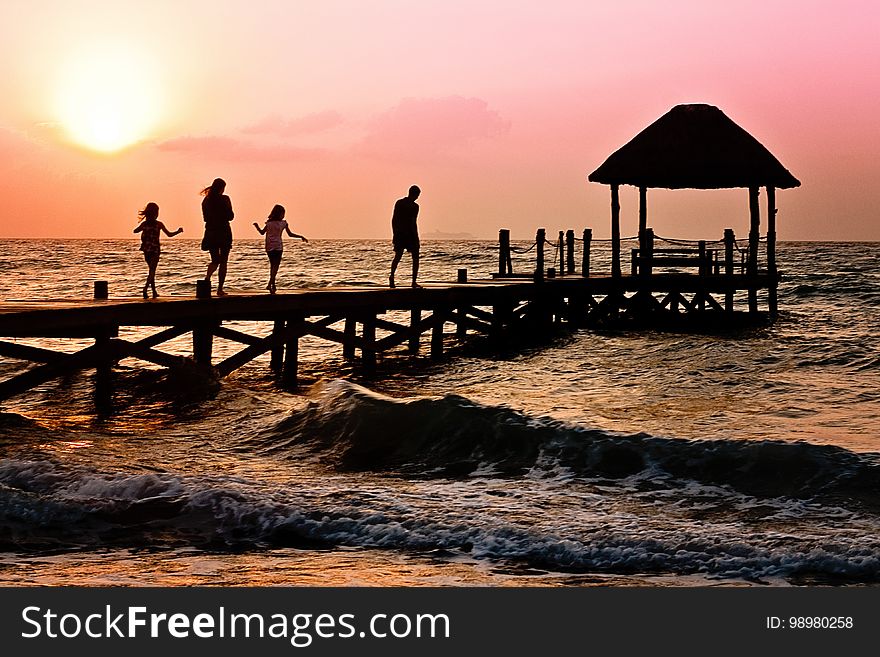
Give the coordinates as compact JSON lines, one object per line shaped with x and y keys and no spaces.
{"x":438,"y":235}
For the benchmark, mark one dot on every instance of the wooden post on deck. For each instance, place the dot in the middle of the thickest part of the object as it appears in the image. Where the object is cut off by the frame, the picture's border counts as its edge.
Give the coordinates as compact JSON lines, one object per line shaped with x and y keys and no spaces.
{"x":291,"y":349}
{"x":102,"y":289}
{"x":771,"y":250}
{"x":277,"y":358}
{"x":729,"y":243}
{"x":754,"y":237}
{"x":560,"y":248}
{"x":615,"y":231}
{"x":569,"y":260}
{"x":504,"y":264}
{"x":585,"y":259}
{"x":540,"y":238}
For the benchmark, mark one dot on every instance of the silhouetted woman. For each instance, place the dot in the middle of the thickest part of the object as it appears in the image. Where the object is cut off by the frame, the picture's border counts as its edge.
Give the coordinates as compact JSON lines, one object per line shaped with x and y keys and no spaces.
{"x":149,"y":229}
{"x":217,"y":213}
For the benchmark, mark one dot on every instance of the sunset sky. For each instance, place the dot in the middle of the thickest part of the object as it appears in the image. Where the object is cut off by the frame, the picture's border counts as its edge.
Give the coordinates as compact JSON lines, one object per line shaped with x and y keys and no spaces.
{"x":498,"y":109}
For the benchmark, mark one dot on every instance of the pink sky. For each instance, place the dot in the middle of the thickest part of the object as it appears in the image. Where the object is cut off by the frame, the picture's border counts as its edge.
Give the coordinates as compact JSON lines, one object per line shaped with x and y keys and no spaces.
{"x":498,"y":109}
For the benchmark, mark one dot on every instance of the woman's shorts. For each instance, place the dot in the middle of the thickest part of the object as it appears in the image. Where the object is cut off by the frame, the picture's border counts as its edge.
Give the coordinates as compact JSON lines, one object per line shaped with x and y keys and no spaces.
{"x":274,"y":256}
{"x":219,"y":253}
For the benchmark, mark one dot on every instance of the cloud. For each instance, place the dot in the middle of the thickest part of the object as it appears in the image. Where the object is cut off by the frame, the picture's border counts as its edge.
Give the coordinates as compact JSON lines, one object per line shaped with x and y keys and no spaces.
{"x":419,"y":127}
{"x":303,"y":125}
{"x":227,"y":148}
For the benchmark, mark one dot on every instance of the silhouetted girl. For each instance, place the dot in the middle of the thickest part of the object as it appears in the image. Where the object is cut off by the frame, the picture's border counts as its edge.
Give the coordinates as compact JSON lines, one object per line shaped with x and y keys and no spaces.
{"x":149,"y":229}
{"x":274,"y":230}
{"x":217,"y":213}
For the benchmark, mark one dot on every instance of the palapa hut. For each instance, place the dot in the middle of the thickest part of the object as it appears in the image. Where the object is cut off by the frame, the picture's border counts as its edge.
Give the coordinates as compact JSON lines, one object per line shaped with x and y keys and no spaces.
{"x":698,"y":147}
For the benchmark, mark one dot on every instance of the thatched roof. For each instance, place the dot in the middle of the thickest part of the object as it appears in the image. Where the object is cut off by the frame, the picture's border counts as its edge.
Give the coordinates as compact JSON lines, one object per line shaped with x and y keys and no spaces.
{"x":697,"y":147}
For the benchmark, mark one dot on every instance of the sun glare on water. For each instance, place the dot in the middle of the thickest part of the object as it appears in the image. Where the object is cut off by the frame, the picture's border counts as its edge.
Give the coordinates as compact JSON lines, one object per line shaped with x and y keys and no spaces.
{"x":108,"y":97}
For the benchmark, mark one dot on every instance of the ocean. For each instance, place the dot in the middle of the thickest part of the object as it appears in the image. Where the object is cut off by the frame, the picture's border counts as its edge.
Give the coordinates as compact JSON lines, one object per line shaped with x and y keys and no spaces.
{"x":582,"y":458}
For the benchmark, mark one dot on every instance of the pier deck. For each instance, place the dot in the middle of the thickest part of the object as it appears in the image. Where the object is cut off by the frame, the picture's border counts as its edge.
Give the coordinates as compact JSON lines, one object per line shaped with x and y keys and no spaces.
{"x":352,"y":316}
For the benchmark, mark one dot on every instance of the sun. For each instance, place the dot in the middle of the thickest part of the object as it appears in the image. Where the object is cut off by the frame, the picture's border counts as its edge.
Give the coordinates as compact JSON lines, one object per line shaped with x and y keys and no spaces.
{"x":108,"y":97}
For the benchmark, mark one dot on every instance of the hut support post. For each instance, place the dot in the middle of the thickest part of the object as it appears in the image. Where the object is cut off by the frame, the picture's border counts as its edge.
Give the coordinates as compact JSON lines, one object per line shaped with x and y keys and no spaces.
{"x":504,"y":267}
{"x":540,"y":238}
{"x":729,"y":242}
{"x":569,"y":256}
{"x":643,"y":210}
{"x":754,"y":237}
{"x":646,"y":251}
{"x":615,"y":231}
{"x":585,"y":259}
{"x":771,"y":250}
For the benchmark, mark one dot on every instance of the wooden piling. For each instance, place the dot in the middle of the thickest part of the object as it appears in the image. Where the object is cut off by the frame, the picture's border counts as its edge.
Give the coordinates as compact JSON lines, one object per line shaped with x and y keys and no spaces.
{"x":203,"y":289}
{"x":203,"y":343}
{"x":415,"y":318}
{"x":569,"y":260}
{"x":504,"y":262}
{"x":540,"y":238}
{"x":729,"y":244}
{"x":368,"y":351}
{"x":102,"y":290}
{"x":437,"y":333}
{"x":293,"y":330}
{"x":560,"y":251}
{"x":277,"y":358}
{"x":349,"y":333}
{"x":585,"y":257}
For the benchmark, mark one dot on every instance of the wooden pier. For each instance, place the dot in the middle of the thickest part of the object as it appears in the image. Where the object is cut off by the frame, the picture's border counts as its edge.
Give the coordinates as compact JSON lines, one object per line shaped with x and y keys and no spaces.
{"x":357,"y":319}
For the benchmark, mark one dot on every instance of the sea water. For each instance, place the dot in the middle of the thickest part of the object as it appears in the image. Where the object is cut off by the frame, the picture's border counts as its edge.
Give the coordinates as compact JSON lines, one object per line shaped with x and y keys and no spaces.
{"x":577,"y":458}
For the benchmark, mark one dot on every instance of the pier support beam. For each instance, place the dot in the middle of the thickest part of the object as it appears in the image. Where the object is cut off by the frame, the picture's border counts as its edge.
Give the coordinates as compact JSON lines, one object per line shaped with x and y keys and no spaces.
{"x":277,"y":358}
{"x":203,"y":343}
{"x":293,"y":331}
{"x":437,"y":332}
{"x":350,"y":331}
{"x":368,"y":351}
{"x":415,"y":318}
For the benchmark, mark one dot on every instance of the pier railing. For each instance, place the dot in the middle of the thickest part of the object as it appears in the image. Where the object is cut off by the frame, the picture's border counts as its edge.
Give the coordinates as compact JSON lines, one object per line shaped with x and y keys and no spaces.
{"x":722,"y":257}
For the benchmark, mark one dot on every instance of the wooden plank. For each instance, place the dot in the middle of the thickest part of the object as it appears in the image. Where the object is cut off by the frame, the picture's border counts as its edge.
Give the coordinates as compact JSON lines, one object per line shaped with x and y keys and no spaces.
{"x":26,"y":352}
{"x":36,"y":376}
{"x":128,"y":349}
{"x":236,"y":336}
{"x":164,"y":336}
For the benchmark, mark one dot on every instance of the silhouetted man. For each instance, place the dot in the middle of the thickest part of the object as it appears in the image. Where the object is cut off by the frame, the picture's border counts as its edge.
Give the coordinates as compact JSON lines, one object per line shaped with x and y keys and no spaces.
{"x":406,"y":233}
